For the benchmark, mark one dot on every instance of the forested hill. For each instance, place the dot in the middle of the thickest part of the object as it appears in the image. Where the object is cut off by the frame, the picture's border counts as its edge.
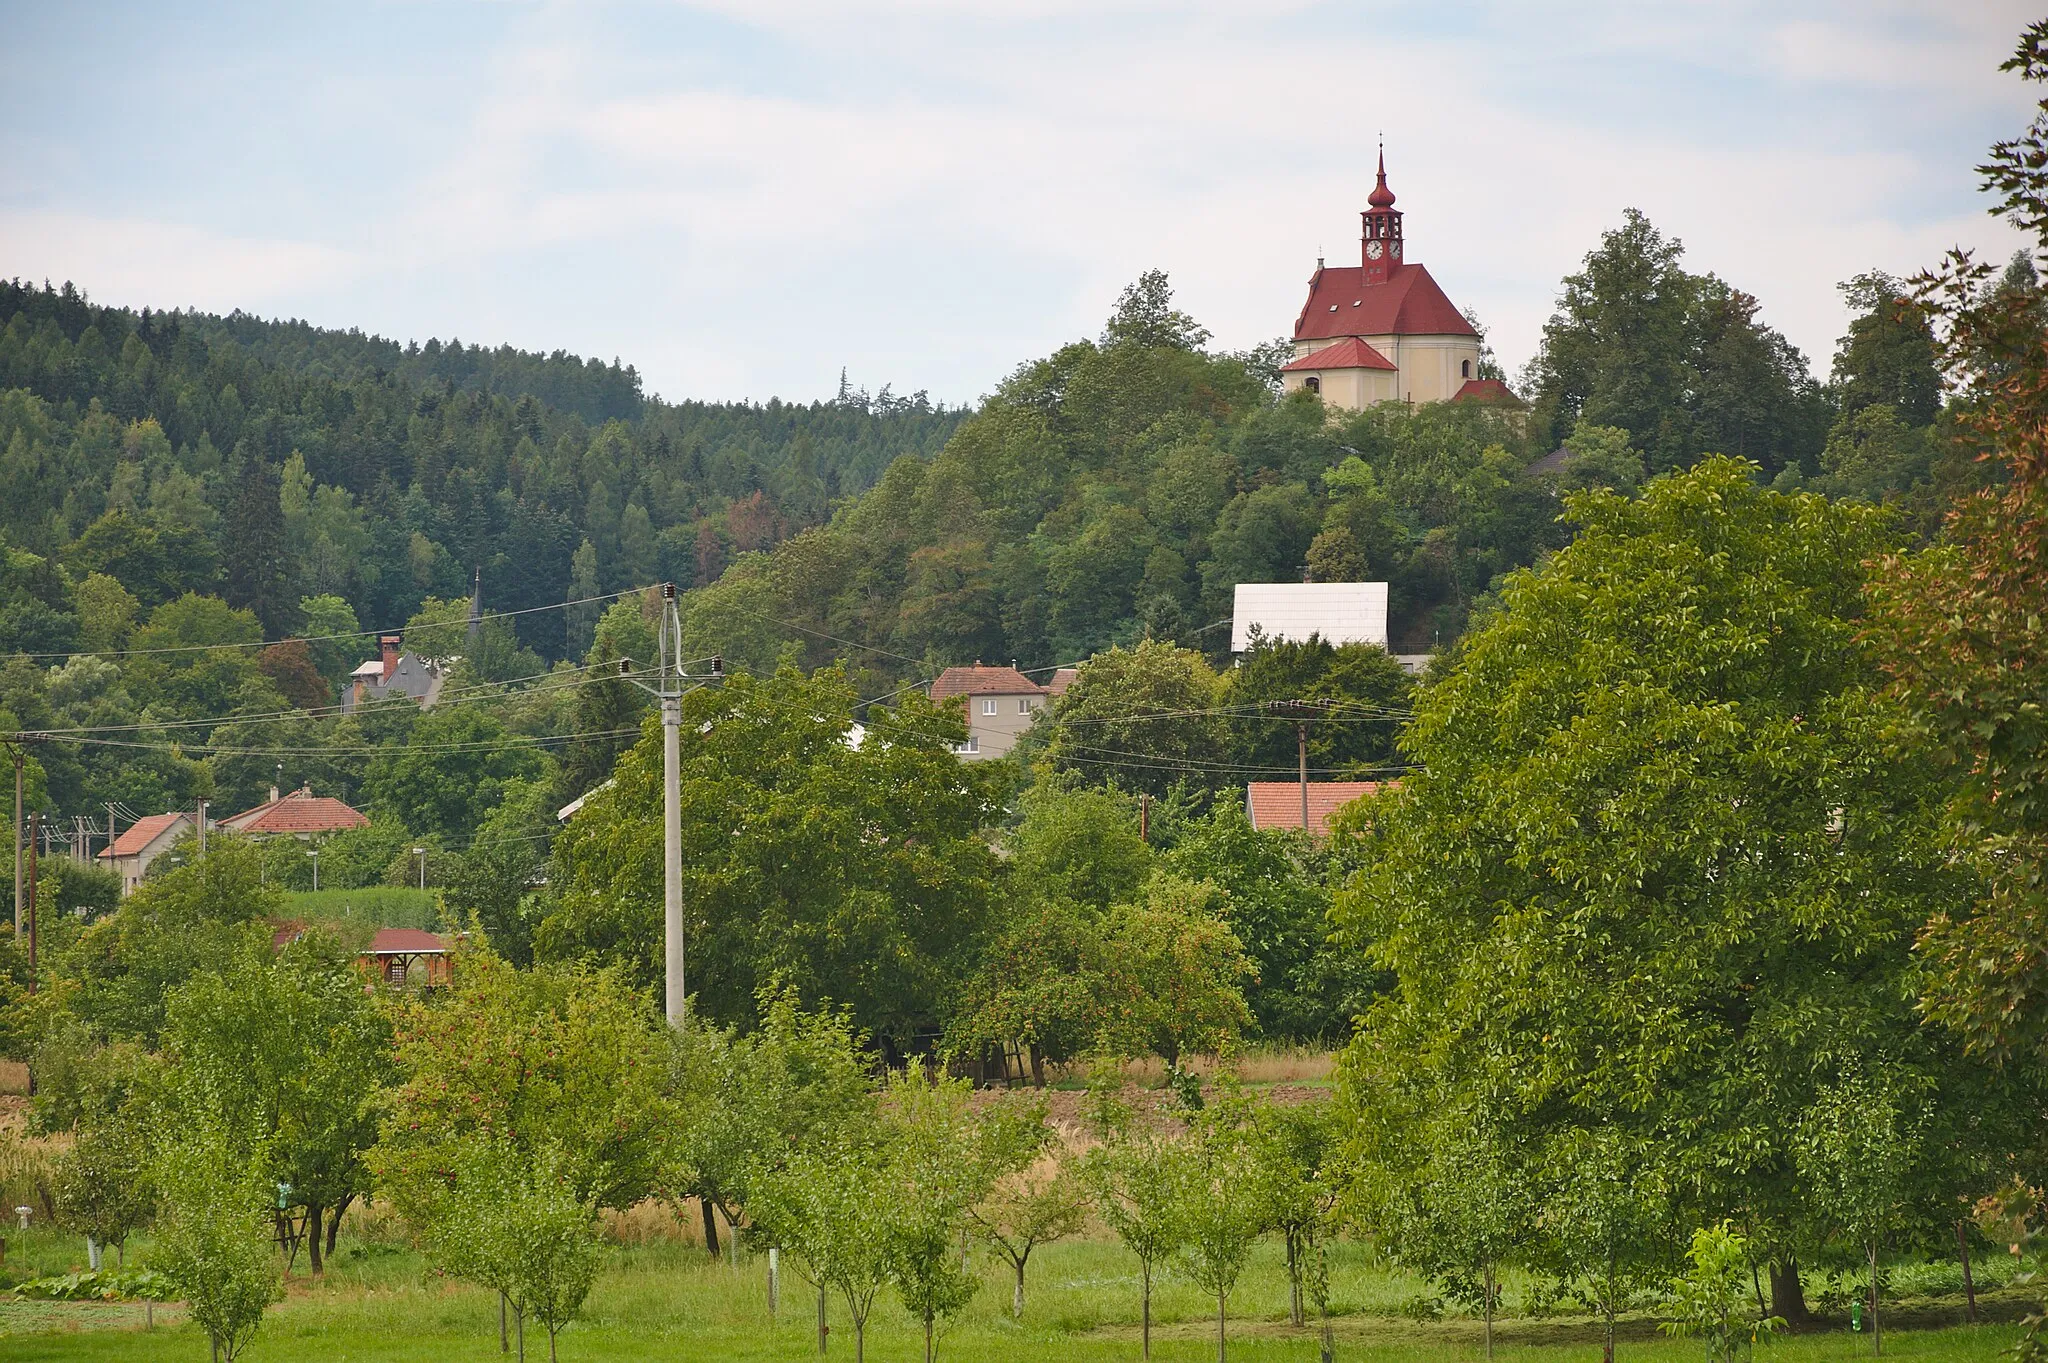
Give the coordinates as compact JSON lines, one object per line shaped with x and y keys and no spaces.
{"x":1123,"y":486}
{"x":269,"y":462}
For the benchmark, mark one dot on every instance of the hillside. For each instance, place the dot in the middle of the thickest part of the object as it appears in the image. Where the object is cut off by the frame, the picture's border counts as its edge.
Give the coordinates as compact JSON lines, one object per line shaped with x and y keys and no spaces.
{"x":390,"y":474}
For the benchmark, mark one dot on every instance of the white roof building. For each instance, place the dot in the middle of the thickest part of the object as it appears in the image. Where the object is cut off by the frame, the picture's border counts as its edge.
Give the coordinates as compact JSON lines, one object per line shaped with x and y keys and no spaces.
{"x":1340,"y":612}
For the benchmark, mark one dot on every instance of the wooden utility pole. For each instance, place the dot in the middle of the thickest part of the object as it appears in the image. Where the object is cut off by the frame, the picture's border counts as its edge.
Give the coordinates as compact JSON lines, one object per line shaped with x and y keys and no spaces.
{"x":33,"y":819}
{"x":1301,"y":752}
{"x":15,"y":748}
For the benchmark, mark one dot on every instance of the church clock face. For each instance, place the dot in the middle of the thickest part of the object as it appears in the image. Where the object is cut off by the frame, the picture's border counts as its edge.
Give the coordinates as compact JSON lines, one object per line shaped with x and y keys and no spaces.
{"x":1372,"y":250}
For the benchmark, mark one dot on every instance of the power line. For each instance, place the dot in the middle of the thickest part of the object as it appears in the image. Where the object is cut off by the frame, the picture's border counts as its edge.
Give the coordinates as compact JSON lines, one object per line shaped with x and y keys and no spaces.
{"x":323,"y":638}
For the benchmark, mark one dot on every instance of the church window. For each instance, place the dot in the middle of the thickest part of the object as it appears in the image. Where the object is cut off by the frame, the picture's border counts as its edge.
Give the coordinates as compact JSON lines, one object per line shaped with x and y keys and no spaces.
{"x":1466,"y":365}
{"x":1313,"y":383}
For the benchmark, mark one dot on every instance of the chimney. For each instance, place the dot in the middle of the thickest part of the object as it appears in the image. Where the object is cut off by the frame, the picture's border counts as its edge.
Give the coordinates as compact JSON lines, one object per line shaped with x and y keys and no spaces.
{"x":273,"y":794}
{"x":387,"y":644}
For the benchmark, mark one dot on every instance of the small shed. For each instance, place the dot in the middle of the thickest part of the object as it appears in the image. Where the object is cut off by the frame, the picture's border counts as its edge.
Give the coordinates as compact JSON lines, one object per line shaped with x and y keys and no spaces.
{"x":399,"y":955}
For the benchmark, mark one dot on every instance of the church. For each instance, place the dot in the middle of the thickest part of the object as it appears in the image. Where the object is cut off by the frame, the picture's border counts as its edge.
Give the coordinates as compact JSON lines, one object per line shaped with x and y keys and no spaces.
{"x":1383,"y":330}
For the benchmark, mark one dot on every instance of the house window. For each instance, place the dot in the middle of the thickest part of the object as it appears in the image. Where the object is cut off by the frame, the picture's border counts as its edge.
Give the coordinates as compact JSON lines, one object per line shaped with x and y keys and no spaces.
{"x":1313,"y":383}
{"x":971,"y":745}
{"x":1466,"y":365}
{"x":1025,"y":705}
{"x":988,"y":707}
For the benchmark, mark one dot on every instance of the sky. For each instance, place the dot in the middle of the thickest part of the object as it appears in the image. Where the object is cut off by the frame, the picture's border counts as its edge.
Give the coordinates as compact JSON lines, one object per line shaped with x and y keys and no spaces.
{"x":742,"y":197}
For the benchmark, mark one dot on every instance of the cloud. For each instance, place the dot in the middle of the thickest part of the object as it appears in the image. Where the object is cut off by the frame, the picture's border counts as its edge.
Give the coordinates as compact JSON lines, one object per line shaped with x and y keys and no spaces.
{"x":741,"y":197}
{"x":138,"y":262}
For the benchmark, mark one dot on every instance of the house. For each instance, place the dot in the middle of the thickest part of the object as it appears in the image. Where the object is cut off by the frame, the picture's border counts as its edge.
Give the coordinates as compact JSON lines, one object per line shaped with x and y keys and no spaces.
{"x":395,"y":673}
{"x":1001,"y":704}
{"x":143,"y":842}
{"x":1340,"y":612}
{"x":1383,"y":330}
{"x":1062,"y":678}
{"x":298,"y":814}
{"x":1277,"y":804}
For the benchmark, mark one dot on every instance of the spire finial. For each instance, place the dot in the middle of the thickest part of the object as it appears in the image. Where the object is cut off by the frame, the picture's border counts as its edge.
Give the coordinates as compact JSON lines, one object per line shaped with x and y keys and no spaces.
{"x":1381,"y":196}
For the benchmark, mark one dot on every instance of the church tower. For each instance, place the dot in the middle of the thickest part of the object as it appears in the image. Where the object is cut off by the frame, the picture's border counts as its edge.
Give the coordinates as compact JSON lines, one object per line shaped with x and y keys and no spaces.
{"x":1381,"y":330}
{"x":1380,"y":247}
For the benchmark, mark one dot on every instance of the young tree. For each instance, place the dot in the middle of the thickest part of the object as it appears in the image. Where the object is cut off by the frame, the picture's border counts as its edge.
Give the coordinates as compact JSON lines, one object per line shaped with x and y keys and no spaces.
{"x":1464,"y":1215}
{"x":1598,"y":1219}
{"x":1153,"y":705}
{"x":513,"y":1224}
{"x":103,"y":1181}
{"x":1221,"y":1203}
{"x":939,"y":1167}
{"x":1133,"y":1173}
{"x":213,"y":1235}
{"x":1302,"y":1178}
{"x":1031,"y":1206}
{"x":833,"y":1206}
{"x":753,"y":1100}
{"x":1711,"y":1300}
{"x":1859,"y":1146}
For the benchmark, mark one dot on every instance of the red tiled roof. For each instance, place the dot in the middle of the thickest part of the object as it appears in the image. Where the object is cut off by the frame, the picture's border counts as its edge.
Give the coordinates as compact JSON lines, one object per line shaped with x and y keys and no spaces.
{"x":1340,"y":303}
{"x":1485,"y":390}
{"x":300,"y":811}
{"x":140,"y":834}
{"x":1061,"y":679}
{"x":1277,"y":804}
{"x":1349,"y":353}
{"x":984,"y":681}
{"x":404,"y":942}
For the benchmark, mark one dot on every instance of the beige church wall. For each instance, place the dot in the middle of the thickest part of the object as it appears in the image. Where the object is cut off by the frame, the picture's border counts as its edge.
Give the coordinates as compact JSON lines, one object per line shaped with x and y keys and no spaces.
{"x":1431,"y":366}
{"x":1350,"y":388}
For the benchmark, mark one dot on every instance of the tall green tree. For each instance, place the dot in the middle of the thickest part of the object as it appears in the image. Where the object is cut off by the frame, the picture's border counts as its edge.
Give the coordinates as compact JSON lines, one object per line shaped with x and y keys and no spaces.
{"x":857,"y":874}
{"x":1667,"y":855}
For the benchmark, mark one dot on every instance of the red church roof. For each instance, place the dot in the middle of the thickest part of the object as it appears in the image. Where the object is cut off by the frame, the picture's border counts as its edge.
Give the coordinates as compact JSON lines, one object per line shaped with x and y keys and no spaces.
{"x":1486,"y":390}
{"x":1410,"y":303}
{"x":984,"y":681}
{"x":1349,"y":353}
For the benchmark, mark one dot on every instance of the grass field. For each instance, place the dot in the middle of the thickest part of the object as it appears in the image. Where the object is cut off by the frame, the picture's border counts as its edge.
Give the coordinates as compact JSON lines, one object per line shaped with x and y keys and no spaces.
{"x":666,"y":1301}
{"x":380,"y":906}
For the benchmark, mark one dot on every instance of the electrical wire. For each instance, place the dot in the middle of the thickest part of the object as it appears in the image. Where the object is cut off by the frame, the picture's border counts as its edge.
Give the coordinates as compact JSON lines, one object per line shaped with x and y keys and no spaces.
{"x":326,"y":638}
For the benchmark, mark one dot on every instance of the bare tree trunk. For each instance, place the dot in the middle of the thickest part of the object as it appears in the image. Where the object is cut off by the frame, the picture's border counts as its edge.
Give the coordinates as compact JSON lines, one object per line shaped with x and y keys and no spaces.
{"x":710,"y":1226}
{"x":860,"y":1339}
{"x":1145,"y":1309}
{"x":504,"y":1334}
{"x":1017,"y":1296}
{"x":316,"y":1221}
{"x":1219,"y":1328}
{"x":1607,"y":1310}
{"x":823,"y":1328}
{"x":927,"y":1339}
{"x":1969,"y":1286}
{"x":1294,"y":1309}
{"x":1876,"y":1330}
{"x":519,"y":1332}
{"x":1788,"y":1294}
{"x":334,"y":1222}
{"x":1489,"y":1313}
{"x":551,"y":1344}
{"x":1037,"y":1068}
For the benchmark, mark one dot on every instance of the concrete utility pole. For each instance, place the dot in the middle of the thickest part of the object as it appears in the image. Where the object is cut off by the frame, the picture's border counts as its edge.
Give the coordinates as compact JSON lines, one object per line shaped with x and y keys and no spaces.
{"x":15,"y":748}
{"x":669,"y":690}
{"x":32,"y":819}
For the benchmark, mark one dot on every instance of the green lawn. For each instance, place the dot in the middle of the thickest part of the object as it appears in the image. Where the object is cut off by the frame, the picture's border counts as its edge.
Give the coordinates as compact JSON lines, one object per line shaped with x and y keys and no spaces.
{"x":666,"y":1302}
{"x":379,"y":906}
